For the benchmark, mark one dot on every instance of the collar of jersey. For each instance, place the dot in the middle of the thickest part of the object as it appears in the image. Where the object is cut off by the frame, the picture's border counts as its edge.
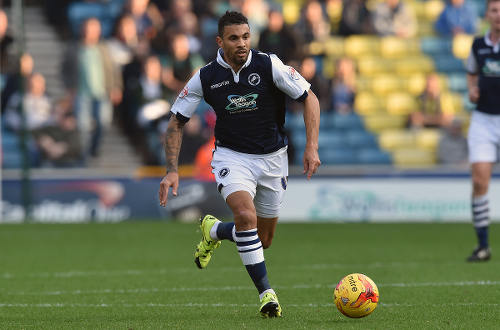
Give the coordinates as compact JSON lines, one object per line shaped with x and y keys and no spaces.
{"x":487,"y":40}
{"x":236,"y":75}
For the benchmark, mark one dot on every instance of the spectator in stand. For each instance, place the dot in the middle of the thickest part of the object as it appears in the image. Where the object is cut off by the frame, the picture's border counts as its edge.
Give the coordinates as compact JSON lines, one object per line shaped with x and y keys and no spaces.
{"x":452,"y":146}
{"x":35,"y":104}
{"x":15,"y":81}
{"x":59,"y":143}
{"x":344,"y":86}
{"x":356,"y":18}
{"x":148,"y":108}
{"x":5,"y":41}
{"x":430,"y":113}
{"x":257,"y":12}
{"x":457,"y":17}
{"x":125,"y":40}
{"x":96,"y":83}
{"x":278,"y":39}
{"x":148,"y":20}
{"x":320,"y":85}
{"x":394,"y":18}
{"x":313,"y":24}
{"x":181,"y":64}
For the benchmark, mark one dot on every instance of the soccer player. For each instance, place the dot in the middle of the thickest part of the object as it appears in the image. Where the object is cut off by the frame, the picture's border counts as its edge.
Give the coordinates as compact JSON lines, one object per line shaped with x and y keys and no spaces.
{"x":247,"y":89}
{"x":483,"y":79}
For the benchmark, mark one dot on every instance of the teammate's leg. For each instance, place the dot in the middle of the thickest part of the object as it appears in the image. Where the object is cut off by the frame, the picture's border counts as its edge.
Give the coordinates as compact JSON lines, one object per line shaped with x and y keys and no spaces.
{"x":481,"y":174}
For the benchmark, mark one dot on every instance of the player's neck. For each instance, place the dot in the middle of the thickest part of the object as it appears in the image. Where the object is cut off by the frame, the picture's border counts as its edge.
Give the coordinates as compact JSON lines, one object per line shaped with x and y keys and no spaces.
{"x":494,"y":36}
{"x":236,"y":67}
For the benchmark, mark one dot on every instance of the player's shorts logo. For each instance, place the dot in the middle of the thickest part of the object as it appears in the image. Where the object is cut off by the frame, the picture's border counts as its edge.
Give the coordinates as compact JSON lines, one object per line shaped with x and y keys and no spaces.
{"x":254,"y":79}
{"x":223,"y":172}
{"x":284,"y":182}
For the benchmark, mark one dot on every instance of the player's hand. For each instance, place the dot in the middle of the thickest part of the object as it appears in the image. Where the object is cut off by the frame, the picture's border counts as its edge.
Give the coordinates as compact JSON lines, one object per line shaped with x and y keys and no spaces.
{"x":474,"y":94}
{"x":311,"y":161}
{"x":169,"y":180}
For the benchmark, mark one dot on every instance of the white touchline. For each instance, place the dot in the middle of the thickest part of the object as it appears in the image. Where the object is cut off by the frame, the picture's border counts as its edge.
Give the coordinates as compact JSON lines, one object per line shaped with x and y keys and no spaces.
{"x":176,"y":270}
{"x":236,"y":288}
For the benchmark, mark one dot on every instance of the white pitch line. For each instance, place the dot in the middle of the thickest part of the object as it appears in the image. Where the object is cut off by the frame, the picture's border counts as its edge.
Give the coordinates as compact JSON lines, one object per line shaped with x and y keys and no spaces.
{"x":164,"y":271}
{"x":197,"y":305}
{"x":239,"y":288}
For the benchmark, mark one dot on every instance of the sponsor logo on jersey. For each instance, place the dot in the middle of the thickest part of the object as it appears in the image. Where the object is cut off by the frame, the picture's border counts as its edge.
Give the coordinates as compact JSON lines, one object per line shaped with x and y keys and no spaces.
{"x":223,"y":172}
{"x":238,"y":103}
{"x":222,"y":83}
{"x":254,"y":79}
{"x":294,"y":75}
{"x":491,"y":68}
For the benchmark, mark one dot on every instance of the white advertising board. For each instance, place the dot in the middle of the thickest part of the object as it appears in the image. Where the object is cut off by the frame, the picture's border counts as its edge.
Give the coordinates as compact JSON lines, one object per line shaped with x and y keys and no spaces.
{"x":383,"y":199}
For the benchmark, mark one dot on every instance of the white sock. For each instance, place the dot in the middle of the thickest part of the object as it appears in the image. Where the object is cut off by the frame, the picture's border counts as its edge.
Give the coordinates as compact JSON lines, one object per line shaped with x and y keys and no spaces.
{"x":263,"y":293}
{"x":213,"y":231}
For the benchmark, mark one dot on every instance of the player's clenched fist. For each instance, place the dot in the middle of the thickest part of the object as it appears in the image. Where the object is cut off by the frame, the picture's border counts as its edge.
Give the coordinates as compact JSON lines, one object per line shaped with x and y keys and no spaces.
{"x":169,"y":180}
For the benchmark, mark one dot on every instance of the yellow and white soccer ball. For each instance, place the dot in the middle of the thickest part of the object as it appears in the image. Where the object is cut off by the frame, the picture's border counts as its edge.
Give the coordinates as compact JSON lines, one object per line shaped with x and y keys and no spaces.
{"x":356,"y":295}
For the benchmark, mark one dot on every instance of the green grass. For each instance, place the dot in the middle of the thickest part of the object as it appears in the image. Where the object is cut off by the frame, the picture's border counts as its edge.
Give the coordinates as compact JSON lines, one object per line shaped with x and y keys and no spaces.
{"x":141,"y":275}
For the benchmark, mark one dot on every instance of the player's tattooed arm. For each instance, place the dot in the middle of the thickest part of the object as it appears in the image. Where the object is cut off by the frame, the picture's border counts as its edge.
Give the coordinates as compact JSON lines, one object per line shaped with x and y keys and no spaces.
{"x":172,"y":144}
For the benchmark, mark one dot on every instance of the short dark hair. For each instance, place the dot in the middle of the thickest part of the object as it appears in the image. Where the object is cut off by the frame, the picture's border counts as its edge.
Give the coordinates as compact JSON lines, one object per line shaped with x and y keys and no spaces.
{"x":231,"y":18}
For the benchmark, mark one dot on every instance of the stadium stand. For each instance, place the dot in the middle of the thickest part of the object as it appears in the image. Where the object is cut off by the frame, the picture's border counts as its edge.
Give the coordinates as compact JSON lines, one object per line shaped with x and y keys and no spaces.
{"x":391,"y":73}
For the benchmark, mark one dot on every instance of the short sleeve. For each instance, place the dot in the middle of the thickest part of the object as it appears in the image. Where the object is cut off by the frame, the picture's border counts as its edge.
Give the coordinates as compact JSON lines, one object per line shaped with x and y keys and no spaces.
{"x":189,"y":98}
{"x":471,"y":64}
{"x":288,"y":80}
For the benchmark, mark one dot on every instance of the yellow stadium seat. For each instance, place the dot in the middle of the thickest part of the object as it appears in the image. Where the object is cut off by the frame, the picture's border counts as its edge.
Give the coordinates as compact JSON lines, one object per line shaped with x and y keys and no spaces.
{"x":461,"y":45}
{"x":394,"y":47}
{"x":291,"y":11}
{"x":380,"y":122}
{"x":316,"y":48}
{"x":413,"y":158}
{"x":374,"y":65}
{"x":401,"y":103}
{"x":361,"y":45}
{"x":416,"y":84}
{"x":452,"y":103}
{"x":394,"y":139}
{"x":433,"y":9}
{"x":387,"y":83}
{"x":414,"y":64}
{"x":427,"y":139}
{"x":334,"y":47}
{"x":363,"y":84}
{"x":368,"y":103}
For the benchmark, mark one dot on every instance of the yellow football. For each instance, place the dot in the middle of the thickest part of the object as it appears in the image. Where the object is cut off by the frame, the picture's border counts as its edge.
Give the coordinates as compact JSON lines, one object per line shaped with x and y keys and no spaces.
{"x":356,"y":295}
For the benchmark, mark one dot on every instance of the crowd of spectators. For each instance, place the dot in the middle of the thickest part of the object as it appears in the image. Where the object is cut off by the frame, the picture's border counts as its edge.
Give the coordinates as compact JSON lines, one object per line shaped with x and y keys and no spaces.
{"x":131,"y":72}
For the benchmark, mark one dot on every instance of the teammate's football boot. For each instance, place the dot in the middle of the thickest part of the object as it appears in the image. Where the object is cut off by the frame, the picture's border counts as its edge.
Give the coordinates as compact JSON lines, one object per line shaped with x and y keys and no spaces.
{"x":207,"y":245}
{"x":270,"y":306}
{"x":480,"y":254}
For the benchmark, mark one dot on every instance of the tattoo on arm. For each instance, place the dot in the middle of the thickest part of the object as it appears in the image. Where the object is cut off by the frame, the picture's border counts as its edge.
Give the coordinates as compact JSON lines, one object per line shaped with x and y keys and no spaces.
{"x":173,"y":140}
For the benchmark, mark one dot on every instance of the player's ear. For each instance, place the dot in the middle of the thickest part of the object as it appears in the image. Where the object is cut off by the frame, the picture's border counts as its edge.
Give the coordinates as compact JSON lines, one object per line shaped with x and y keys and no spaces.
{"x":219,"y":41}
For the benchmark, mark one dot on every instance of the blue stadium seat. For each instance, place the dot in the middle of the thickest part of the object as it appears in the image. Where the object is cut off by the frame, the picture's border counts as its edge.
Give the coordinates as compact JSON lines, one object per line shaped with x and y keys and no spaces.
{"x":436,"y":46}
{"x":78,"y":12}
{"x":331,"y":139}
{"x":373,"y":156}
{"x":339,"y":156}
{"x":361,"y":139}
{"x":347,"y":121}
{"x":448,"y":64}
{"x":457,"y":82}
{"x":11,"y":159}
{"x":294,"y":122}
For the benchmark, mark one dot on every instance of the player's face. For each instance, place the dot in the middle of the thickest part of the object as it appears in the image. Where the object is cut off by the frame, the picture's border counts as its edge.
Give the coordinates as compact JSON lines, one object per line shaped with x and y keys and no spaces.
{"x":235,"y":43}
{"x":493,"y":15}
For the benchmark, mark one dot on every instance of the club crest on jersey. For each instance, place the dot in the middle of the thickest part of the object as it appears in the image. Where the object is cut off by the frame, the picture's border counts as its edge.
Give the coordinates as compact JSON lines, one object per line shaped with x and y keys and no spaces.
{"x":254,"y":79}
{"x":223,"y":172}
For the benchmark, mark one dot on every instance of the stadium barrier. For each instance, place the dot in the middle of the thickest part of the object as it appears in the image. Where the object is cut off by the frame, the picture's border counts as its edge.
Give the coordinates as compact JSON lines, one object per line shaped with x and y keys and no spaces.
{"x":336,"y":195}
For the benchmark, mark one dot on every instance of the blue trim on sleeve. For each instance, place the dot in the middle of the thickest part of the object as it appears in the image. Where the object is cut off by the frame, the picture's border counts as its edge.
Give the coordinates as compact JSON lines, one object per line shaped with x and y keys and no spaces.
{"x":181,"y":118}
{"x":302,"y":97}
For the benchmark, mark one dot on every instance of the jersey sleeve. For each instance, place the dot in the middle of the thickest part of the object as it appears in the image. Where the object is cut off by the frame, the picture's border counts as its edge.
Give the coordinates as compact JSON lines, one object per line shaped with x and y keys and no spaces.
{"x":188,"y":99}
{"x":471,"y":64}
{"x":288,"y":80}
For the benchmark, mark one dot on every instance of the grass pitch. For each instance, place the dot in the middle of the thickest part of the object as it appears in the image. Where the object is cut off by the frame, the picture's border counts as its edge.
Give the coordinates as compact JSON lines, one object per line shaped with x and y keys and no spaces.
{"x":141,"y":275}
